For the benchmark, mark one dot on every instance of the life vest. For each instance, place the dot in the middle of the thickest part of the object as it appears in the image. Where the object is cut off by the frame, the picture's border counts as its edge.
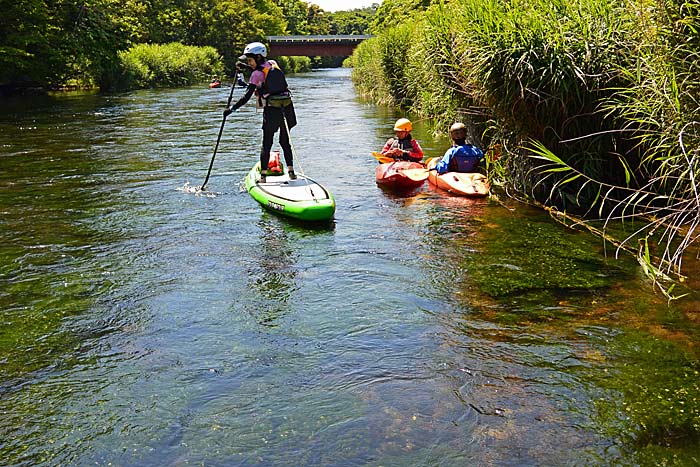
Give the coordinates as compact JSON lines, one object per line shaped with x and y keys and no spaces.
{"x":403,"y":144}
{"x":275,"y":83}
{"x":274,"y":164}
{"x":465,"y":158}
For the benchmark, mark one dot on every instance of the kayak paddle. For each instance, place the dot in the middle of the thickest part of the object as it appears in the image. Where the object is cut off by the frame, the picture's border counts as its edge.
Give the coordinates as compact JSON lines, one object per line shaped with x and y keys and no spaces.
{"x":382,"y":158}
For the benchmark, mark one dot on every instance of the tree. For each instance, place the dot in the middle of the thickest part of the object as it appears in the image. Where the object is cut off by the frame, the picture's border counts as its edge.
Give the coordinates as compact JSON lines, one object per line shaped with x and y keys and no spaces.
{"x":234,"y":23}
{"x":394,"y":12}
{"x":55,"y":42}
{"x":296,"y":13}
{"x":318,"y":20}
{"x":52,"y":42}
{"x":352,"y":21}
{"x":23,"y":41}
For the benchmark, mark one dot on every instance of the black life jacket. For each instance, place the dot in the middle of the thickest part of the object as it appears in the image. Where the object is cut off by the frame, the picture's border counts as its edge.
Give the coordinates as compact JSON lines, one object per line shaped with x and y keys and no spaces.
{"x":275,"y":83}
{"x":403,"y":144}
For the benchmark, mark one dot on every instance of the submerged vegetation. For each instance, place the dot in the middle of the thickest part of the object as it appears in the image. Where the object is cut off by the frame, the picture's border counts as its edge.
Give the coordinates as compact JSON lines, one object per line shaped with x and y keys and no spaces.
{"x":590,"y":104}
{"x":586,"y":108}
{"x":656,"y":401}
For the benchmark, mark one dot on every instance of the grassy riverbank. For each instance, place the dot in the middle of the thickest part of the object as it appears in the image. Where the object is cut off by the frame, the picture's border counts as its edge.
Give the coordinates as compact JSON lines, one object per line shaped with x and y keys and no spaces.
{"x":156,"y":65}
{"x":592,"y":102}
{"x":589,"y":109}
{"x":175,"y":64}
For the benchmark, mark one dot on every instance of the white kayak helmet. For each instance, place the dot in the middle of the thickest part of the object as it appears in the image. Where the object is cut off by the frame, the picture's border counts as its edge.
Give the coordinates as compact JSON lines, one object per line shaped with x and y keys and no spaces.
{"x":255,"y":48}
{"x":458,"y":131}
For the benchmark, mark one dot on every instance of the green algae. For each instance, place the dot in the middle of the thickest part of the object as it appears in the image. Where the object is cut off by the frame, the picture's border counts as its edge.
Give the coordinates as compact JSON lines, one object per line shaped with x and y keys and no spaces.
{"x":651,"y":398}
{"x":519,"y":258}
{"x":643,"y":368}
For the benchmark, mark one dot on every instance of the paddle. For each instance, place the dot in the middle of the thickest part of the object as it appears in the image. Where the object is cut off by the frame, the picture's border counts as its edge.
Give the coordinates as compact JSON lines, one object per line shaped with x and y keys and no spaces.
{"x":382,"y":158}
{"x":221,"y":130}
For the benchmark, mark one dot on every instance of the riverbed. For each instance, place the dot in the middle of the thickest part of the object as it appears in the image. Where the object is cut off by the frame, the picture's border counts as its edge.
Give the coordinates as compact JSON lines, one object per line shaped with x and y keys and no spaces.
{"x":143,"y":324}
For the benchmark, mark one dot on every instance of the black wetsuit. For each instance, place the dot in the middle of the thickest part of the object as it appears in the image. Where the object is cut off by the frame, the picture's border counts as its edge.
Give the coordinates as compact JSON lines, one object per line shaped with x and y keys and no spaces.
{"x":278,"y":108}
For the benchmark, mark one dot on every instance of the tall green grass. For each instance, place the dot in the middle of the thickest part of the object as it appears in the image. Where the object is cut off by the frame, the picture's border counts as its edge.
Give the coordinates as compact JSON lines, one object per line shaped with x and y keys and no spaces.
{"x":175,"y":64}
{"x":379,"y":65}
{"x":294,"y":64}
{"x":658,"y":104}
{"x":156,"y":65}
{"x":593,"y":103}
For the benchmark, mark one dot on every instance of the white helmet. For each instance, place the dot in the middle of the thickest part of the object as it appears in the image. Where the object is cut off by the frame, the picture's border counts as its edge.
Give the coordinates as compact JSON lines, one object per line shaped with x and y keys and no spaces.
{"x":255,"y":48}
{"x":458,"y":131}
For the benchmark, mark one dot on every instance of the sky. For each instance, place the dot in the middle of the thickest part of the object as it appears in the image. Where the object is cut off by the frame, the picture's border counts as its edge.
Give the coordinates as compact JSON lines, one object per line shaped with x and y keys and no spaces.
{"x":336,"y":5}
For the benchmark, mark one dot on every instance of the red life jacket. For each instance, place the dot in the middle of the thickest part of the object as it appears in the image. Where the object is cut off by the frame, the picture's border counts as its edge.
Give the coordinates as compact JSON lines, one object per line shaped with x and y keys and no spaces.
{"x":403,"y":144}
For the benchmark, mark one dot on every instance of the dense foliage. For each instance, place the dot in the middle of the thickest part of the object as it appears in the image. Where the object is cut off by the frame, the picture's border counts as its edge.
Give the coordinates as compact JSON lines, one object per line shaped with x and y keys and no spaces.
{"x":54,"y":44}
{"x":394,"y":12}
{"x":594,"y":103}
{"x":352,"y":21}
{"x":592,"y":106}
{"x":148,"y":65}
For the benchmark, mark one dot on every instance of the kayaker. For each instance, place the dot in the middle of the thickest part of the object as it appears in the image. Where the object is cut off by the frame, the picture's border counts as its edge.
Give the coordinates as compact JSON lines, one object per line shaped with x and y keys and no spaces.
{"x":461,"y":157}
{"x":240,"y":81}
{"x":403,"y":147}
{"x":268,"y":83}
{"x":215,"y":82}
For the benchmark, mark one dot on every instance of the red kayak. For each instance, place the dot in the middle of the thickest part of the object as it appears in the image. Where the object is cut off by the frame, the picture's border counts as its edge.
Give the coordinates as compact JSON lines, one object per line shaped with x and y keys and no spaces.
{"x":395,"y":176}
{"x":215,"y":84}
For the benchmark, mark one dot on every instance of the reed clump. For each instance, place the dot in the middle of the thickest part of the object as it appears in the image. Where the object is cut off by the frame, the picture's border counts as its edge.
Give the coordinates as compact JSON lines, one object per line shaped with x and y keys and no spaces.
{"x":592,"y":103}
{"x":173,"y":64}
{"x":380,"y":66}
{"x":294,"y":64}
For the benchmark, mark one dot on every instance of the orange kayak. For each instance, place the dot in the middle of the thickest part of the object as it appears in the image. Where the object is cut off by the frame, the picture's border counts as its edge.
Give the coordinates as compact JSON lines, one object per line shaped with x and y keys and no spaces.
{"x":391,"y":176}
{"x":458,"y":183}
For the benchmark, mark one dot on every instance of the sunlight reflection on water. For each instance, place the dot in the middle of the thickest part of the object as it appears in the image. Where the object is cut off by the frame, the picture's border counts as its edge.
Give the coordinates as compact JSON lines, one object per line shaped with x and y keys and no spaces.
{"x":144,"y":326}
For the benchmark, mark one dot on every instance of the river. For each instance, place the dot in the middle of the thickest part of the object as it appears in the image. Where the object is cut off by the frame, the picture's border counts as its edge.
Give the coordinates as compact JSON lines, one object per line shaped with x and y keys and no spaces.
{"x":141,"y":324}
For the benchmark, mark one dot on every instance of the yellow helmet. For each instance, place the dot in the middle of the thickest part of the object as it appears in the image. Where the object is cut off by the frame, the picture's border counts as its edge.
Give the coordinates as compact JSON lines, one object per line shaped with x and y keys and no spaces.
{"x":458,"y":131}
{"x":403,"y":124}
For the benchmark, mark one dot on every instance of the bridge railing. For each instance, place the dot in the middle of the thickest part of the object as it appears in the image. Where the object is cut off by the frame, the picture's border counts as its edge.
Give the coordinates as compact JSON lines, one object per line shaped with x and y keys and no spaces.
{"x":320,"y":38}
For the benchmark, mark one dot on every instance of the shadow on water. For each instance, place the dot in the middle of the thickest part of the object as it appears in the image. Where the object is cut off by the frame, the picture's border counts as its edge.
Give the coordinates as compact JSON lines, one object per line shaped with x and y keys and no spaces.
{"x":272,"y":272}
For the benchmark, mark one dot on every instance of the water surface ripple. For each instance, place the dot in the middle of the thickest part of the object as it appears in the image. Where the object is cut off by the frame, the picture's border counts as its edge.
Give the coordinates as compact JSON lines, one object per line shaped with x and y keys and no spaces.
{"x":142,"y":325}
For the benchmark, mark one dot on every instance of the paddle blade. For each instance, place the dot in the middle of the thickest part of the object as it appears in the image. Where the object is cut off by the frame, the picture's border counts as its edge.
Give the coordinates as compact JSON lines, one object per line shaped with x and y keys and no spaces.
{"x":382,"y":158}
{"x":416,"y":174}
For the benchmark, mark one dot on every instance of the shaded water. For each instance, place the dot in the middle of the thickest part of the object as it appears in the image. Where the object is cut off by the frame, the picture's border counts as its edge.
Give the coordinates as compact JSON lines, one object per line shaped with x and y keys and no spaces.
{"x":144,"y":325}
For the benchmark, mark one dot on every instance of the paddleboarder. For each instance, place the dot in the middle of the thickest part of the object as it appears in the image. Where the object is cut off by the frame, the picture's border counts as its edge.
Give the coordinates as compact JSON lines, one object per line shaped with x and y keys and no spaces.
{"x":268,"y":83}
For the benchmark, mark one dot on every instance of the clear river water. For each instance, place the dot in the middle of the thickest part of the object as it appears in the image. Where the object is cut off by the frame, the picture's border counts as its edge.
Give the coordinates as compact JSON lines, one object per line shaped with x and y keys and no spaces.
{"x":144,"y":325}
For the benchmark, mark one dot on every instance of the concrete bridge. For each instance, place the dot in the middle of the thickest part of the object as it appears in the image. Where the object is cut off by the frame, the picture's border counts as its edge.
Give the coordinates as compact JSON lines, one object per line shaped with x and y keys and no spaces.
{"x":314,"y":46}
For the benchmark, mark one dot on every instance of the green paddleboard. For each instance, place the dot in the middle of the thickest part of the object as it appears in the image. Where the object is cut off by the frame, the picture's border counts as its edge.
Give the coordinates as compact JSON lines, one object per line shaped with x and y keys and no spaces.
{"x":302,"y":199}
